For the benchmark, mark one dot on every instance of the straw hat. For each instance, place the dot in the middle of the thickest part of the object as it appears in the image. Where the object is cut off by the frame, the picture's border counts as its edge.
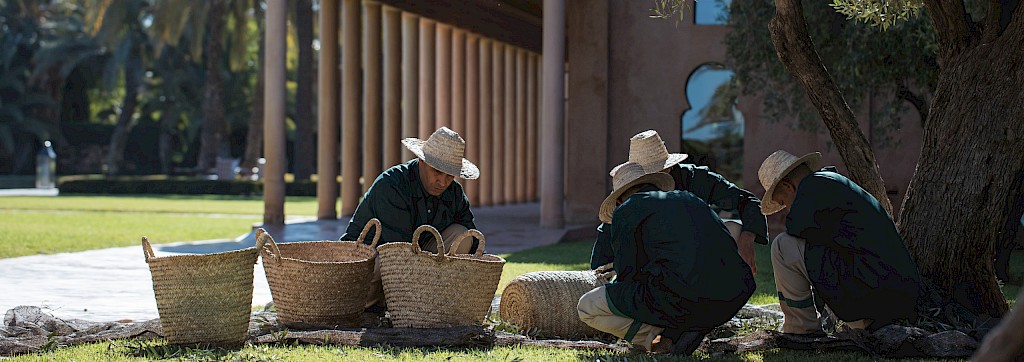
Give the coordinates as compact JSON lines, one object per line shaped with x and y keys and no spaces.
{"x":627,"y":175}
{"x":647,"y":149}
{"x":444,"y":150}
{"x":774,"y":168}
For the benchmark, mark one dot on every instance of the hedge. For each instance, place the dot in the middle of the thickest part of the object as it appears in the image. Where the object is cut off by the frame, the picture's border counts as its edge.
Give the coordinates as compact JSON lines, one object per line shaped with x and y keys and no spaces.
{"x":182,"y":186}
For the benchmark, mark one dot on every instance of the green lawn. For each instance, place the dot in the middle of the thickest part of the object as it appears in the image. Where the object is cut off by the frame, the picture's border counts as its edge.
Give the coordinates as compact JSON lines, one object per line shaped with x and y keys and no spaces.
{"x":47,"y":225}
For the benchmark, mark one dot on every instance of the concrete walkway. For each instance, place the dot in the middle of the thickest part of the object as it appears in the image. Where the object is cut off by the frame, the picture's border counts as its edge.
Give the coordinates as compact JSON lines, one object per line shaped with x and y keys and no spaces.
{"x":115,"y":284}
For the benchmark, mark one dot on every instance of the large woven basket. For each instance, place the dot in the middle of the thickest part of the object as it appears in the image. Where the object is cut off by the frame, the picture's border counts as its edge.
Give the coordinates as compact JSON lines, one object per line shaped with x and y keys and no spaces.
{"x":425,"y":290}
{"x":319,"y":284}
{"x":203,"y":299}
{"x":543,"y":304}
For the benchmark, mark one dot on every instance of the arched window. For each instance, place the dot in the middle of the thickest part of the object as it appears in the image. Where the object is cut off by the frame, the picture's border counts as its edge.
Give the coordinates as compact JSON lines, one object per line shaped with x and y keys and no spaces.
{"x":712,"y":12}
{"x":712,"y":128}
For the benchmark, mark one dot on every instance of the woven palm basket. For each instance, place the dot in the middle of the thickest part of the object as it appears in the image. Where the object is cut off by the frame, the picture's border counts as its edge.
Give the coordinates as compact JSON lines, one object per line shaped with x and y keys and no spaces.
{"x":320,"y":284}
{"x":425,"y":290}
{"x":203,"y":299}
{"x":543,"y":304}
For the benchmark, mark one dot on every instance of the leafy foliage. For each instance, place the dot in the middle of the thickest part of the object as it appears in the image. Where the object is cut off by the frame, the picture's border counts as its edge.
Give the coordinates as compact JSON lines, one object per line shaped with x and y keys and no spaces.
{"x":882,"y":13}
{"x":869,"y":68}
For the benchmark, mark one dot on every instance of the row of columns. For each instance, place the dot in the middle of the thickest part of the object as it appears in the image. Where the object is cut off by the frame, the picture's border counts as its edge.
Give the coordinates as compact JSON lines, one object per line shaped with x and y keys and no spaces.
{"x":403,"y":75}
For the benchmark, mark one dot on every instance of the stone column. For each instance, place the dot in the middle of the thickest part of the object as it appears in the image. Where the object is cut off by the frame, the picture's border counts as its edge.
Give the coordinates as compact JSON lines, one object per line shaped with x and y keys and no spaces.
{"x":497,"y":122}
{"x":443,"y":76}
{"x":410,"y":79}
{"x":392,"y":88}
{"x":531,"y":127}
{"x":372,"y":101}
{"x":458,"y":77}
{"x":327,"y":114}
{"x":426,"y":87}
{"x":552,"y":187}
{"x":509,"y":163}
{"x":274,"y":113}
{"x":520,"y":125}
{"x":485,"y":162}
{"x":471,"y":112}
{"x":351,"y":131}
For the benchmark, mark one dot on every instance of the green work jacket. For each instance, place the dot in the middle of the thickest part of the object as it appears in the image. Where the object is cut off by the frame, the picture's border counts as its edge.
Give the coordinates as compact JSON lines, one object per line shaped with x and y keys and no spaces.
{"x":855,"y":259}
{"x":713,"y":189}
{"x":677,"y":263}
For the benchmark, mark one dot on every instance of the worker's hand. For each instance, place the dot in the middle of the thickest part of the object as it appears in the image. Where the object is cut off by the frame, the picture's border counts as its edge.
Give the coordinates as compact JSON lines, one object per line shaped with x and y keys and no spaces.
{"x":745,"y":245}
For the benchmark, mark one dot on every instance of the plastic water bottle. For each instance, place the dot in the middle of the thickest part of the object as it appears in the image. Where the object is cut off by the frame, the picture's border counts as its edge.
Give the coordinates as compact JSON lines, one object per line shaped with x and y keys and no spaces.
{"x":46,"y":167}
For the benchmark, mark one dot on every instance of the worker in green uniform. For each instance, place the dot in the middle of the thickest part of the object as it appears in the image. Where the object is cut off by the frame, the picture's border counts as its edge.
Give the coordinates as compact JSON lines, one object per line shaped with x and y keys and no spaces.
{"x":678,"y":272}
{"x":647,"y":149}
{"x":840,"y":249}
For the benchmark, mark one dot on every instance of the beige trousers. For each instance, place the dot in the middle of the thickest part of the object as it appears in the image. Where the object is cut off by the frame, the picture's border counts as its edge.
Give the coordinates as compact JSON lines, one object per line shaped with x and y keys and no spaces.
{"x":794,"y":288}
{"x":594,"y":310}
{"x":376,"y":294}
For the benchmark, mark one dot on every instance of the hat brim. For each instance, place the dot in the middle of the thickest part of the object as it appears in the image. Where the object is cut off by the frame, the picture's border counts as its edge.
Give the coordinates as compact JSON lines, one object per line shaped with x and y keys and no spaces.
{"x":768,"y":205}
{"x":674,"y":159}
{"x":662,"y":181}
{"x":468,"y":170}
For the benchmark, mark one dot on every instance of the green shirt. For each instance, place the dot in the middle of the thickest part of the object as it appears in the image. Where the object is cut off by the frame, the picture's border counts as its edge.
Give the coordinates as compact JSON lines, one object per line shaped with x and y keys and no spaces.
{"x":855,"y":258}
{"x":398,"y":200}
{"x":713,"y":189}
{"x":677,"y":264}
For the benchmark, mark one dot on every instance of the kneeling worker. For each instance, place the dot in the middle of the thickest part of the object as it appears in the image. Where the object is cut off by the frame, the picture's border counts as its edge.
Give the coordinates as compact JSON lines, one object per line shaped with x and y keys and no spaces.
{"x":679,"y":274}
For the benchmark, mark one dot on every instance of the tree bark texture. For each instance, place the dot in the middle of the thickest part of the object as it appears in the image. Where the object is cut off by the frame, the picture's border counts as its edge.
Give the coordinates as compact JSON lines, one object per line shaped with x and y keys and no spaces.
{"x":796,"y":52}
{"x":213,"y":130}
{"x":125,"y":121}
{"x":964,"y":189}
{"x":305,"y":143}
{"x":254,"y":136}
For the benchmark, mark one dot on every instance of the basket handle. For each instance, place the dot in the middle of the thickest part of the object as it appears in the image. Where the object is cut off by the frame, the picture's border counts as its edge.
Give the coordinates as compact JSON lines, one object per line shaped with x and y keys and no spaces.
{"x":147,"y":250}
{"x":466,"y":235}
{"x":373,"y":223}
{"x":263,"y":238}
{"x":437,"y":236}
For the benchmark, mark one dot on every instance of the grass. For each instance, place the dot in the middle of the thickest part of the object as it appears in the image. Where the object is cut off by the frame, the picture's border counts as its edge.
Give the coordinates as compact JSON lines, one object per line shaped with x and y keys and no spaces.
{"x":157,"y":350}
{"x":47,"y":225}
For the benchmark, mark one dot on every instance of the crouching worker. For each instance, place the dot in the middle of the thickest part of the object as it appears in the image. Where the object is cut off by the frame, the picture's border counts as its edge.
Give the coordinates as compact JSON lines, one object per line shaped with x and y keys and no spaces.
{"x":840,"y":249}
{"x":679,"y":274}
{"x":422,"y":191}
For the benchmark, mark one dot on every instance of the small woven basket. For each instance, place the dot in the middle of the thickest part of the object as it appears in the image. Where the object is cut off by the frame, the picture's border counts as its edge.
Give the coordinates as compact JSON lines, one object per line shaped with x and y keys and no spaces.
{"x":425,"y":290}
{"x":543,"y":304}
{"x":319,"y":284}
{"x":204,"y":299}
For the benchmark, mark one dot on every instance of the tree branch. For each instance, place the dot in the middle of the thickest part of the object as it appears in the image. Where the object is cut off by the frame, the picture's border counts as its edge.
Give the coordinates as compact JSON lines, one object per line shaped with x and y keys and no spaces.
{"x":918,"y":102}
{"x":796,"y":51}
{"x":991,"y":29}
{"x":952,"y":26}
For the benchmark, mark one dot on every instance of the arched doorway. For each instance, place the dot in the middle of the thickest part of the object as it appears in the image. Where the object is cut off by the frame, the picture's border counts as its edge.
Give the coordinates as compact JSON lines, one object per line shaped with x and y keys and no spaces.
{"x":712,"y":129}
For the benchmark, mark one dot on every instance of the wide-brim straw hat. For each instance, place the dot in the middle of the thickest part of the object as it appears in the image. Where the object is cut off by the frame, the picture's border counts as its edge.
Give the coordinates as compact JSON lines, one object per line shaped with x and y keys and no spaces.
{"x":647,"y":149}
{"x":627,"y":175}
{"x":445,"y":150}
{"x":776,"y":167}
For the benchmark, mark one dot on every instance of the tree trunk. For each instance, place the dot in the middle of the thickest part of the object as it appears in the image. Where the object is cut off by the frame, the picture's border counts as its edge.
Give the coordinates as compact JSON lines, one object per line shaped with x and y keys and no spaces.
{"x":254,"y":137}
{"x":961,"y":197}
{"x":168,"y":122}
{"x":796,"y":52}
{"x":305,"y":143}
{"x":213,"y":102}
{"x":119,"y":138}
